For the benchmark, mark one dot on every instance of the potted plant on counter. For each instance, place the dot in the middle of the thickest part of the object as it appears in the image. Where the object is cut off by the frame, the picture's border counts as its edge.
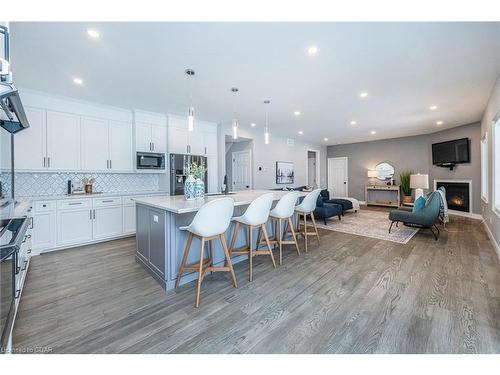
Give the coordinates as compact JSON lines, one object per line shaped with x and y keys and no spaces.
{"x":404,"y":177}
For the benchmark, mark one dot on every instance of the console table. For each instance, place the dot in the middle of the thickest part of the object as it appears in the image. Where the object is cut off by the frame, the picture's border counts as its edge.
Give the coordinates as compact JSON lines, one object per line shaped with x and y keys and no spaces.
{"x":382,"y":195}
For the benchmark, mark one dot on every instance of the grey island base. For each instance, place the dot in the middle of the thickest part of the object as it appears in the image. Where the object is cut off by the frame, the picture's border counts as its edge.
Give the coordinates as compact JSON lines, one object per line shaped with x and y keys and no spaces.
{"x":160,"y":242}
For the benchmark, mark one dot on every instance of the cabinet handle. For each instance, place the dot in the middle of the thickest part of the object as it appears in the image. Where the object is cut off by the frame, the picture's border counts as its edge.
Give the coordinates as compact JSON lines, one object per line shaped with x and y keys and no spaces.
{"x":44,"y":161}
{"x":48,"y":161}
{"x":90,"y":213}
{"x":110,"y":164}
{"x":74,"y":203}
{"x":24,"y":265}
{"x":107,"y":164}
{"x":153,"y":145}
{"x":205,"y":150}
{"x":108,"y":201}
{"x":18,"y":293}
{"x":29,"y":251}
{"x":32,"y":222}
{"x":94,"y":214}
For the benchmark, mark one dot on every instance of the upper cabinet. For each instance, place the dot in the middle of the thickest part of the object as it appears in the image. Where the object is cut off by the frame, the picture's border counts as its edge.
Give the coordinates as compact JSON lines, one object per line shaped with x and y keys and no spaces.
{"x":201,"y":141}
{"x":63,"y":141}
{"x":106,"y":145}
{"x":150,"y":137}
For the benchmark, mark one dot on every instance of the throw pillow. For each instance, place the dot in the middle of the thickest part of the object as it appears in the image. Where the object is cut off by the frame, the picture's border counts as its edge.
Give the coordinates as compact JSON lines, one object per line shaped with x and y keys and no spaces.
{"x":419,"y":204}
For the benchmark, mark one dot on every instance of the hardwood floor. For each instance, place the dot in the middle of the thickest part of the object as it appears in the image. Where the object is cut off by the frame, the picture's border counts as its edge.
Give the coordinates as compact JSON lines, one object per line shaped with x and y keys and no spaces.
{"x":350,"y":295}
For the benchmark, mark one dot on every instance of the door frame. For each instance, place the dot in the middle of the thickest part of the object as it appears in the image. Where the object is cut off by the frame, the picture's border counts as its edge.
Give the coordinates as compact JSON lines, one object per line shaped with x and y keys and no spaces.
{"x":318,"y":169}
{"x":250,"y":162}
{"x":346,"y":160}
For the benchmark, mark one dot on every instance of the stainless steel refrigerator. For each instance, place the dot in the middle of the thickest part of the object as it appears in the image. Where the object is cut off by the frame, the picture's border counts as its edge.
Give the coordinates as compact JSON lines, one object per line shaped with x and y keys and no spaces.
{"x":178,"y":171}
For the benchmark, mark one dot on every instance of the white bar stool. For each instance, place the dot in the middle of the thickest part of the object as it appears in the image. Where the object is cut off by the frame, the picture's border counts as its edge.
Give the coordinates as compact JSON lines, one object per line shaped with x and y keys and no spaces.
{"x":255,"y":216}
{"x":209,"y":223}
{"x":283,"y":212}
{"x":307,"y":207}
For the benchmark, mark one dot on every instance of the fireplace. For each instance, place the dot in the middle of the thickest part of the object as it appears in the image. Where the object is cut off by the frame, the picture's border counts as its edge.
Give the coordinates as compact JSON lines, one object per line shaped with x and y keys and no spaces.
{"x":457,"y":194}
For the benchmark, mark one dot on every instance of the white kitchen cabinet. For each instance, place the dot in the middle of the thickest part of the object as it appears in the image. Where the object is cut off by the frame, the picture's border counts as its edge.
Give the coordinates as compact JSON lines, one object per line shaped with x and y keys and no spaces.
{"x":201,"y":141}
{"x":63,"y":141}
{"x":120,"y":146}
{"x":150,"y":138}
{"x":95,"y":149}
{"x":30,"y":144}
{"x":107,"y":222}
{"x":210,"y":142}
{"x":196,"y":143}
{"x":74,"y":226}
{"x":177,"y":140}
{"x":213,"y":183}
{"x":129,"y":221}
{"x":44,"y":230}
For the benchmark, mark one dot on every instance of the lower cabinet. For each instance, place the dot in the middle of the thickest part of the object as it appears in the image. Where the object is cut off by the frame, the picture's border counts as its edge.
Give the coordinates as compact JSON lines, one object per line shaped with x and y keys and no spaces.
{"x":151,"y":239}
{"x":129,"y":219}
{"x":107,"y":222}
{"x":44,"y":230}
{"x":74,"y":226}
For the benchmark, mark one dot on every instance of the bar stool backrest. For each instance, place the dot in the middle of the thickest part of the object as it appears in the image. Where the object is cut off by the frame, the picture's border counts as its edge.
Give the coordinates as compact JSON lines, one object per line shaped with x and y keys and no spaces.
{"x":286,"y":205}
{"x":309,"y":202}
{"x":257,"y":212}
{"x":213,"y":218}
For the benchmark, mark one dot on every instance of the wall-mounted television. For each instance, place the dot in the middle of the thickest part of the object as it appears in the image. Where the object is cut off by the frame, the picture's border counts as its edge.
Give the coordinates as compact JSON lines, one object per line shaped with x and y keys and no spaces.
{"x":451,"y":152}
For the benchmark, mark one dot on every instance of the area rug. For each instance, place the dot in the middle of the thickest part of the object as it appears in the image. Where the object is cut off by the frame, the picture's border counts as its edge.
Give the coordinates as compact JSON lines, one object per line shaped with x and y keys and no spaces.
{"x":366,"y":223}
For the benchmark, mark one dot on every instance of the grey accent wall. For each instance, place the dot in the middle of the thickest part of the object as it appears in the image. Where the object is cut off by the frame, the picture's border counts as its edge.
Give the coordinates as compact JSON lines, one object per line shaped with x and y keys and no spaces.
{"x":412,"y":153}
{"x":492,"y":220}
{"x":265,"y":157}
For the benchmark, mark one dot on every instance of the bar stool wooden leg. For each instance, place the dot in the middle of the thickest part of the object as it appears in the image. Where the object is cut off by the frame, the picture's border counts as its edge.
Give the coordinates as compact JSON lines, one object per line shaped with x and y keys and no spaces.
{"x":290,"y":225}
{"x":211,"y":252}
{"x":250,"y":254}
{"x":268,"y":244}
{"x":200,"y":273}
{"x":184,"y":259}
{"x":305,"y":231}
{"x":279,"y":239}
{"x":228,"y":259}
{"x":233,"y":238}
{"x":315,"y":227}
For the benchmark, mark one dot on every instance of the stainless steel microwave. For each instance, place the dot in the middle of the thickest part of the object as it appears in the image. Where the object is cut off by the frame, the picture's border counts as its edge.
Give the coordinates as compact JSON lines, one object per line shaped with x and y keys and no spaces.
{"x":150,"y":160}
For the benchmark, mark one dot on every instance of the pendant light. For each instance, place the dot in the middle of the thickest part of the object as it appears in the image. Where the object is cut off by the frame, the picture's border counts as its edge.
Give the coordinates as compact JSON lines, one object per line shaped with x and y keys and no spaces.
{"x":266,"y":127}
{"x":235,"y":120}
{"x":190,"y":74}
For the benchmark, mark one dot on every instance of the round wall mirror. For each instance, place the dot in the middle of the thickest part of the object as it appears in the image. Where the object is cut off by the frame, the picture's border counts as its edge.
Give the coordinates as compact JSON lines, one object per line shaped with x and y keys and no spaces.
{"x":385,"y":171}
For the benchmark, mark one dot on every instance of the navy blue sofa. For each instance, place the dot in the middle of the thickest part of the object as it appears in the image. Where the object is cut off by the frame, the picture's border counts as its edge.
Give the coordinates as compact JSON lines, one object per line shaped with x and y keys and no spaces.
{"x":325,"y":210}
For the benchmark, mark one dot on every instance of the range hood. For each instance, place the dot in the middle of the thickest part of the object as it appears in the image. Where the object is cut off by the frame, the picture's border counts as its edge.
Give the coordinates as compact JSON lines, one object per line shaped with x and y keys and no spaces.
{"x":12,"y":115}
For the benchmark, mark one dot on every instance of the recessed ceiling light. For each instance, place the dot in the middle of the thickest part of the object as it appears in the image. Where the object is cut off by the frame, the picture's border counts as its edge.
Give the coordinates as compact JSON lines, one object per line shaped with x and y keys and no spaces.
{"x":93,"y":33}
{"x":433,"y":107}
{"x":296,"y":113}
{"x":353,"y":122}
{"x":373,"y":132}
{"x":252,"y":124}
{"x":78,"y":81}
{"x":301,"y":132}
{"x":313,"y":50}
{"x":439,"y":123}
{"x":363,"y":95}
{"x":325,"y":139}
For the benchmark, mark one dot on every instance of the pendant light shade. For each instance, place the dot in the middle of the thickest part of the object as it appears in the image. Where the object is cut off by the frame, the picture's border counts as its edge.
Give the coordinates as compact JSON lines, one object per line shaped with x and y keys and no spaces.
{"x":234,"y":123}
{"x":190,"y":118}
{"x":267,"y":132}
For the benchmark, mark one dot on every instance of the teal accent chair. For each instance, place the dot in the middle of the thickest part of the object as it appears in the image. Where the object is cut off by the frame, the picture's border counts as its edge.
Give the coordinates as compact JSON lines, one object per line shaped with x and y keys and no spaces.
{"x":426,"y":218}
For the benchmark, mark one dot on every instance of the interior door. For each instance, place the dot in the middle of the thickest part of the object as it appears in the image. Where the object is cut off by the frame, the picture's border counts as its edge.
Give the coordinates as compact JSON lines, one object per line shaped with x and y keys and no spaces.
{"x":63,"y":141}
{"x":29,"y":147}
{"x":337,"y":177}
{"x":95,"y":148}
{"x":241,"y":171}
{"x":120,"y":146}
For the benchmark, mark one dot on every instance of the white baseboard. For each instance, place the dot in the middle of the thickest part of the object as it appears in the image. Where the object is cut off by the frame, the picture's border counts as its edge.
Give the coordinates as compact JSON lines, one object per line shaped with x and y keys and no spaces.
{"x":470,"y":215}
{"x":492,"y":239}
{"x":362,"y":202}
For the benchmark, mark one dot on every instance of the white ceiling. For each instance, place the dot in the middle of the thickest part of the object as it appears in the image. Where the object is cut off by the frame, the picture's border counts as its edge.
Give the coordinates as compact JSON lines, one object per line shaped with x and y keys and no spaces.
{"x":404,"y":67}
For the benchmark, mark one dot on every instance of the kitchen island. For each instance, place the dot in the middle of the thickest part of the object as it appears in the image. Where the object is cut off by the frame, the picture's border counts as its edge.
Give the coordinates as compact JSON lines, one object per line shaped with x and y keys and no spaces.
{"x":160,"y":242}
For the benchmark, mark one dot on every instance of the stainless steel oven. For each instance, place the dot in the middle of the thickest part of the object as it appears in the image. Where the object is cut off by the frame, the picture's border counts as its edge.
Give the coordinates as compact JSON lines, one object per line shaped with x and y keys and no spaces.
{"x":150,"y":160}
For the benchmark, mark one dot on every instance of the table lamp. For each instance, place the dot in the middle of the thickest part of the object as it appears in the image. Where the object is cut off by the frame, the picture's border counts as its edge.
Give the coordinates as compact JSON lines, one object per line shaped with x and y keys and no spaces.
{"x":372,"y":174}
{"x":419,"y":182}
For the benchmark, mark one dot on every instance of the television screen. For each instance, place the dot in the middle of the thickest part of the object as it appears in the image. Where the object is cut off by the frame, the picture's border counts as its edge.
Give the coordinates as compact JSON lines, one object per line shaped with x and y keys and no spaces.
{"x":451,"y":152}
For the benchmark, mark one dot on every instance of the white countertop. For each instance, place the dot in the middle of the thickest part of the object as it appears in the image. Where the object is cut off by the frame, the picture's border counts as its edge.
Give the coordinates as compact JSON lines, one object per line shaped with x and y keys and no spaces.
{"x":179,"y":205}
{"x":95,"y":195}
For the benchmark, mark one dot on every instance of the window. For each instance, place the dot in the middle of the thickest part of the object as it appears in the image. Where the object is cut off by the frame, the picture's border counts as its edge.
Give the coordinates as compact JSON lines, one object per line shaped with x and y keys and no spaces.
{"x":484,"y":167}
{"x":496,"y":166}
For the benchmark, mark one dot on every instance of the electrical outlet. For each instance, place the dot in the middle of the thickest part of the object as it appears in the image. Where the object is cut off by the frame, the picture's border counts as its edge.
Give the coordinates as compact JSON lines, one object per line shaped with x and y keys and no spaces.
{"x":155,"y":218}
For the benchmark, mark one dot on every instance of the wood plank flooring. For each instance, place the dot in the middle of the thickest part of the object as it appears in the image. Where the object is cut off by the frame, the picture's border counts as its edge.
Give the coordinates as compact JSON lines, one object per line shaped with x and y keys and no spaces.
{"x":350,"y":295}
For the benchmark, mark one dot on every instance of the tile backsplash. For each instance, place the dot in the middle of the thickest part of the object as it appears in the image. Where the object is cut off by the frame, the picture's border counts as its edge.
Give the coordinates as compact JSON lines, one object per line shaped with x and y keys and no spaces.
{"x":53,"y":183}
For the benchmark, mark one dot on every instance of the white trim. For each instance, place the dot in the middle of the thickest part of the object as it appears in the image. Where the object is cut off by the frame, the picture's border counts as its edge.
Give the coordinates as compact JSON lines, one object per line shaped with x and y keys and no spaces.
{"x":484,"y":174}
{"x":318,"y":169}
{"x":460,"y":213}
{"x":495,"y":178}
{"x":470,"y":215}
{"x":346,"y":172}
{"x":250,"y":162}
{"x":492,"y":239}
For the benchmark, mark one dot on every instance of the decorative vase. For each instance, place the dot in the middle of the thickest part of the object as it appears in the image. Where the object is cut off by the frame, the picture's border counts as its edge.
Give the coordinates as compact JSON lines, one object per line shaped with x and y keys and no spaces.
{"x":407,"y":199}
{"x":190,"y":188}
{"x":199,"y":188}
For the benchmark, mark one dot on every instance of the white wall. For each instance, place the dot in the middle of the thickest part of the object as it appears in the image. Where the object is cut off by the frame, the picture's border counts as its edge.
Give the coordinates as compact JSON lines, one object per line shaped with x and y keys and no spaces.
{"x":266,"y":156}
{"x":492,"y":220}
